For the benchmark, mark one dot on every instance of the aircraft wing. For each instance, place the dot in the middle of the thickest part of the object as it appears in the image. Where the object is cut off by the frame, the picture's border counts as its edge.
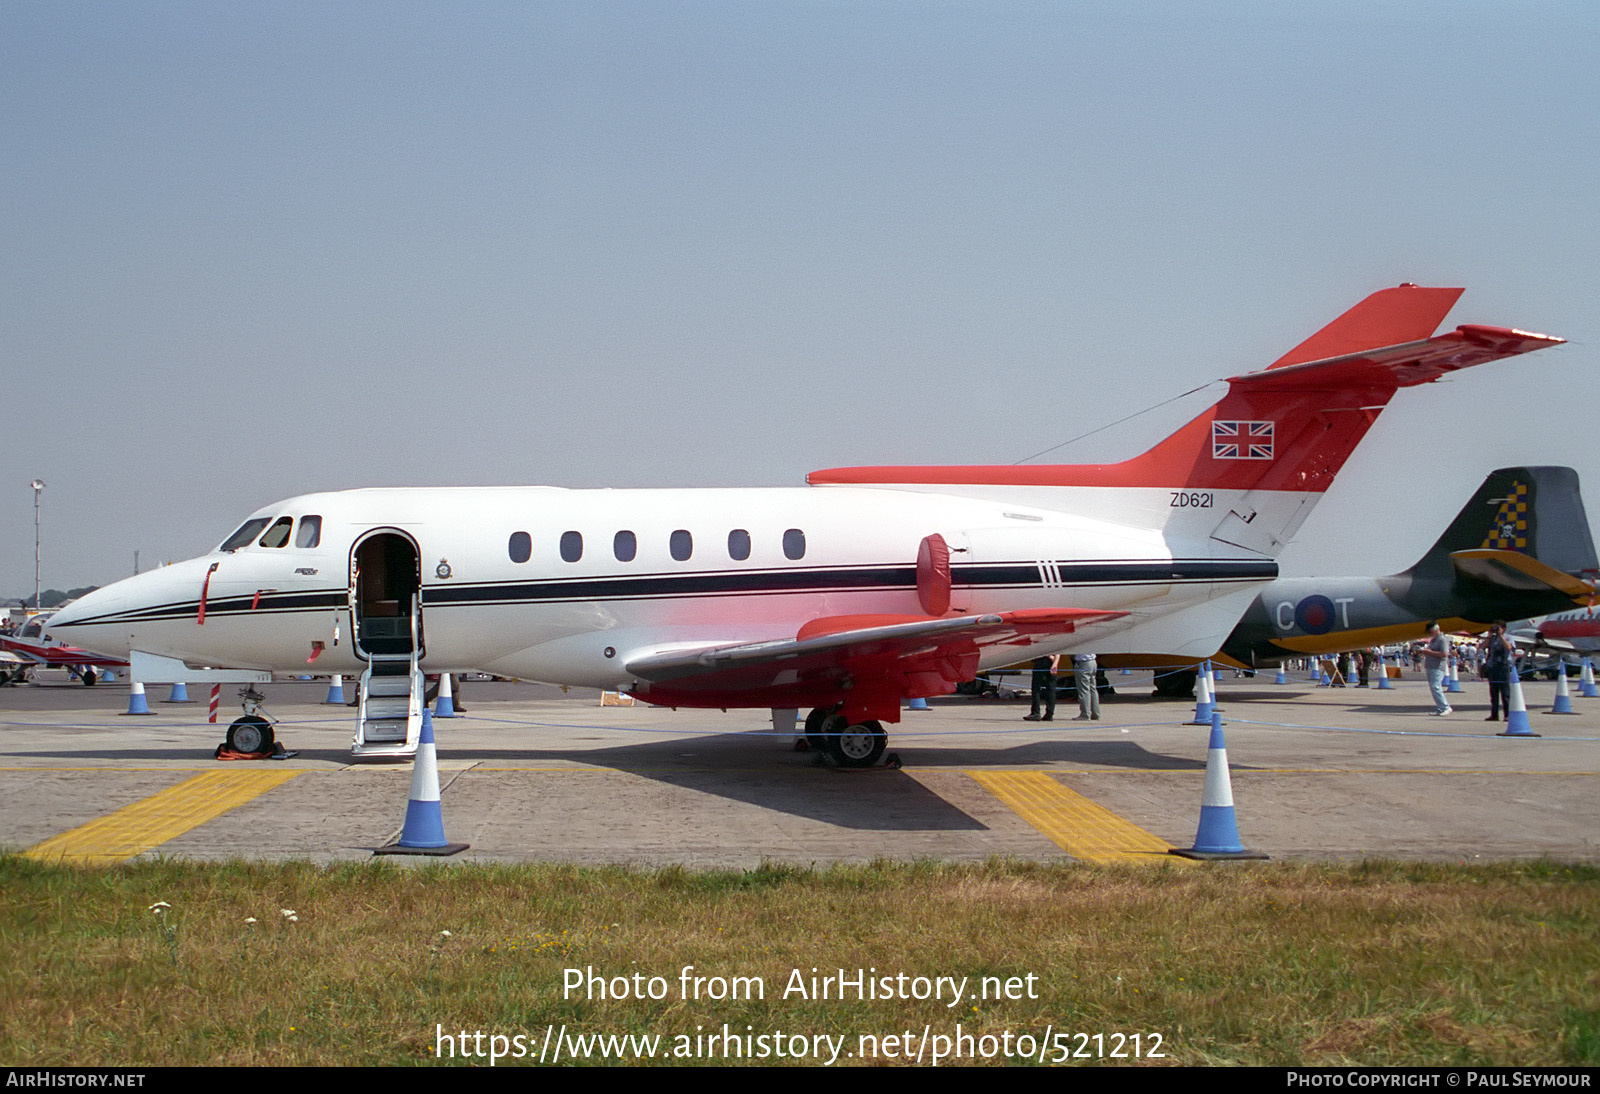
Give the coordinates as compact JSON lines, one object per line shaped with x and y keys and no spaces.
{"x":1517,"y":571}
{"x":833,"y":656}
{"x":57,"y":656}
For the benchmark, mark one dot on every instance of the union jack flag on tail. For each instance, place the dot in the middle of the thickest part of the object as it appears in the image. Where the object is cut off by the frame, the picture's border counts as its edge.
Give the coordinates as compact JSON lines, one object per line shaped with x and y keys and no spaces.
{"x":1241,"y":440}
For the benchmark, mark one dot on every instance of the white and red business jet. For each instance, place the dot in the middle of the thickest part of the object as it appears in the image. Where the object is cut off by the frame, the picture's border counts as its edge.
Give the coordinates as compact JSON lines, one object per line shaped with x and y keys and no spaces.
{"x":870,"y":586}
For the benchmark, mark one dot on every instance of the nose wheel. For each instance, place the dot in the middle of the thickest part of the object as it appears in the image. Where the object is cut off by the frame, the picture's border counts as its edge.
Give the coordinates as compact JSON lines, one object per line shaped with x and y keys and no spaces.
{"x":249,"y":734}
{"x":252,"y":734}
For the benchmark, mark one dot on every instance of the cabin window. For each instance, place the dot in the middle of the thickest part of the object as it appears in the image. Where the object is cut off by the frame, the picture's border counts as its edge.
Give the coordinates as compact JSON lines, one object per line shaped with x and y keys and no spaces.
{"x":571,"y":546}
{"x":625,"y":545}
{"x":278,"y":534}
{"x":681,"y":545}
{"x":794,"y":544}
{"x":310,"y":533}
{"x":246,"y":534}
{"x":738,"y":544}
{"x":520,"y":547}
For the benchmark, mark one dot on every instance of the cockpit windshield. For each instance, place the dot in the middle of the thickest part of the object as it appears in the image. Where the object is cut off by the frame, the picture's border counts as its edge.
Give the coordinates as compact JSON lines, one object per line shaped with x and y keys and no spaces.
{"x":246,"y":534}
{"x":278,"y":534}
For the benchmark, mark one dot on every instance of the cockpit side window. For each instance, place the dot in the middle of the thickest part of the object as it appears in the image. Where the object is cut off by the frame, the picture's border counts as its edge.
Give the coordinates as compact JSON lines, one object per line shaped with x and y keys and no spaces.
{"x":246,"y":534}
{"x":278,"y":534}
{"x":310,"y":533}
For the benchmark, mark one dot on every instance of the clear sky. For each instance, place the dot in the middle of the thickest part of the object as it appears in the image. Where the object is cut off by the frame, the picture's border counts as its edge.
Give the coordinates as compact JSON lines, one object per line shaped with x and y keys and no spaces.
{"x":256,"y":249}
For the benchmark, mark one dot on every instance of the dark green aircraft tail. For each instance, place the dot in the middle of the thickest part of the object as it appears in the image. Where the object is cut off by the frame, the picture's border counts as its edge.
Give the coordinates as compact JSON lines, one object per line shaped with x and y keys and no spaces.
{"x":1524,"y":528}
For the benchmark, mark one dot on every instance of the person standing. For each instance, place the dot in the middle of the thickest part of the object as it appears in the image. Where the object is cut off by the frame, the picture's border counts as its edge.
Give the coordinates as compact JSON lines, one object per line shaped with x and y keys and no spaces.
{"x":1436,"y":659}
{"x":1088,"y":687}
{"x":1495,"y":659}
{"x":1044,"y":687}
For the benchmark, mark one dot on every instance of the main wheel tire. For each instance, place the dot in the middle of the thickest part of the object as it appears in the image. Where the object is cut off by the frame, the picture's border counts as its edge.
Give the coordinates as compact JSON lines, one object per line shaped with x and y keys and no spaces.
{"x":1177,"y":684}
{"x":859,"y":745}
{"x":250,"y":734}
{"x":89,"y":677}
{"x":820,"y":724}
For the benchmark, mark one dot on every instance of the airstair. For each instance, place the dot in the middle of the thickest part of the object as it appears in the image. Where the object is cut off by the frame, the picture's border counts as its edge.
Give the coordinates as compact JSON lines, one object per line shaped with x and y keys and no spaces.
{"x":389,"y":721}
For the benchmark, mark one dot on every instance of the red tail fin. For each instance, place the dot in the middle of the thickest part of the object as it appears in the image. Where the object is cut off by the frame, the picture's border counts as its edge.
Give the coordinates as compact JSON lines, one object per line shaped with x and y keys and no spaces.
{"x":1289,"y":427}
{"x":1389,"y":317}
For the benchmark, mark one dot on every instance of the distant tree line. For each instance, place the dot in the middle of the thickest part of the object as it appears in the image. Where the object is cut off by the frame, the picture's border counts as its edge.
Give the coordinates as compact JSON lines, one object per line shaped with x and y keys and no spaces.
{"x":50,"y":598}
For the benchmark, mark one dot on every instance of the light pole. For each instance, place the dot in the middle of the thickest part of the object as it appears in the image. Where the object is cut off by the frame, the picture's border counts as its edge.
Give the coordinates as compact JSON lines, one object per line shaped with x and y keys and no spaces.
{"x":38,"y":487}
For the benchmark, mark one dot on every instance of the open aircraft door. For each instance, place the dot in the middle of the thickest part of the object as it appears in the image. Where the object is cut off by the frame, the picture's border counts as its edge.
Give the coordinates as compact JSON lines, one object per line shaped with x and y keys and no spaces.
{"x":386,"y":595}
{"x":386,"y":626}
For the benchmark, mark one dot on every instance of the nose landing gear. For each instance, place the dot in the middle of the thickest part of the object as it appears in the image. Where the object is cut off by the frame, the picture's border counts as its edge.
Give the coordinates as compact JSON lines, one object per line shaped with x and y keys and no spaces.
{"x":252,"y":734}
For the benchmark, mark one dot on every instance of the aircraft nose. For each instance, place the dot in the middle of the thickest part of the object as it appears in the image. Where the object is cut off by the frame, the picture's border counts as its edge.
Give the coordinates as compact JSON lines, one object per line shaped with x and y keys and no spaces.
{"x":71,"y":622}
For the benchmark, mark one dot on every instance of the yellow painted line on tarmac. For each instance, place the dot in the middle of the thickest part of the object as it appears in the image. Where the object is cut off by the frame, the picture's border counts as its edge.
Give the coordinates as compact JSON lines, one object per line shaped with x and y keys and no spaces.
{"x":1084,"y":829}
{"x":137,"y":828}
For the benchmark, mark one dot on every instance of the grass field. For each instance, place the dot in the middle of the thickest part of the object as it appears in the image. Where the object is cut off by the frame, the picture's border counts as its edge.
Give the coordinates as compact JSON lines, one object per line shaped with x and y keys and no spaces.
{"x":1229,"y":964}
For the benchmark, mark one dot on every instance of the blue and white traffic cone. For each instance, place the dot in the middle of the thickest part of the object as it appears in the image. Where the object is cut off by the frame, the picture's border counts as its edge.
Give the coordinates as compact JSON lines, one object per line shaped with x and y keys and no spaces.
{"x":1586,"y":687}
{"x":1453,"y":684}
{"x":918,"y":703}
{"x":1563,"y":703}
{"x":1517,"y":710}
{"x":1280,"y":678}
{"x":445,"y":705}
{"x":137,"y":703}
{"x":335,"y":692}
{"x":1218,"y":833}
{"x":1383,"y":675}
{"x":423,"y":832}
{"x":1204,"y":706}
{"x":1216,"y":675}
{"x":180,"y":693}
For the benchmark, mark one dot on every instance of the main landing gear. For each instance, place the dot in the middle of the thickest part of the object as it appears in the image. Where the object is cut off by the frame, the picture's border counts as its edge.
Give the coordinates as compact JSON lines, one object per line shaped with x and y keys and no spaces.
{"x":859,"y":745}
{"x":1175,"y":683}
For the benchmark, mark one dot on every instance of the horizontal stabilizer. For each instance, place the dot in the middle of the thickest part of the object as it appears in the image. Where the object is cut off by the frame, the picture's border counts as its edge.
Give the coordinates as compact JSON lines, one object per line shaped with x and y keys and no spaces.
{"x":1517,"y":572}
{"x":1405,"y":365}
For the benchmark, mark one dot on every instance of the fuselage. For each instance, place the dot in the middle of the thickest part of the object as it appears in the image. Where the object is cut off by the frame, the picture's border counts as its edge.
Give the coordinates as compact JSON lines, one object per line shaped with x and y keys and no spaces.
{"x":567,"y":586}
{"x":1579,"y":629}
{"x":1297,"y":617}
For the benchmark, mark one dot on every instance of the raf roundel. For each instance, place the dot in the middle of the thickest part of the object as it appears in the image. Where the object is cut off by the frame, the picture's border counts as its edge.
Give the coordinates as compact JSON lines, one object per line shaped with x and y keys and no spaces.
{"x":1314,"y":614}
